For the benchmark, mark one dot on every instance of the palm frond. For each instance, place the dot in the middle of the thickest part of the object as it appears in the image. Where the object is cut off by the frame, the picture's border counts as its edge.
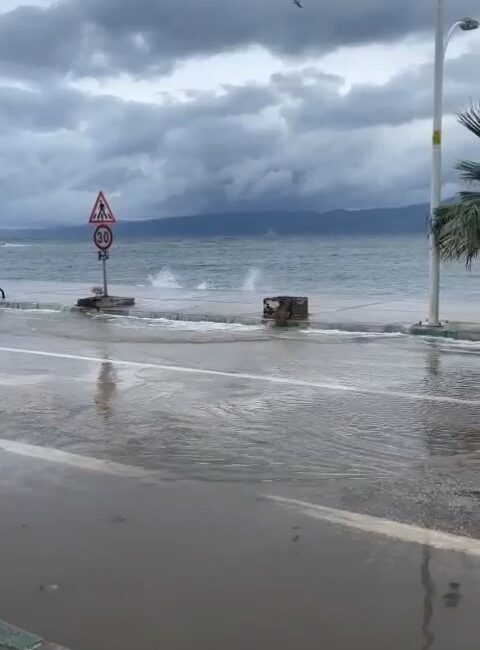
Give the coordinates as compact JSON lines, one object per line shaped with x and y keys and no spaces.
{"x":456,"y":227}
{"x":469,"y":196}
{"x":469,"y":171}
{"x":471,"y":119}
{"x":457,"y":231}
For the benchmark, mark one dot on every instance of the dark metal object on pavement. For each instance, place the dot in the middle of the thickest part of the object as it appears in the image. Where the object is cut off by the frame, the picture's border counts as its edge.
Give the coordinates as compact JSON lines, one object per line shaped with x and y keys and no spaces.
{"x":285,"y":309}
{"x":105,"y":302}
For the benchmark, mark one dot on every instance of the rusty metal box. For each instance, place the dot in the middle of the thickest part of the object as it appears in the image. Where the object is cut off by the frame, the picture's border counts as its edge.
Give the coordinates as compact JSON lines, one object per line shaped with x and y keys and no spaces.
{"x":285,"y":308}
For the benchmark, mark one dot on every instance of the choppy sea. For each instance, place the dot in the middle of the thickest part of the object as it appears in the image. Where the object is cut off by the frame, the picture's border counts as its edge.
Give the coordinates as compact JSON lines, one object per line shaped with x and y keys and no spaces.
{"x":393,"y":266}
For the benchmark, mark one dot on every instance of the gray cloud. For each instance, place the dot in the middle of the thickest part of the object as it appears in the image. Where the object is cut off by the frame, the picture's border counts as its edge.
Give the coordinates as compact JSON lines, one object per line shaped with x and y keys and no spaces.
{"x":40,"y":109}
{"x":296,"y":142}
{"x":101,"y":37}
{"x":313,"y":99}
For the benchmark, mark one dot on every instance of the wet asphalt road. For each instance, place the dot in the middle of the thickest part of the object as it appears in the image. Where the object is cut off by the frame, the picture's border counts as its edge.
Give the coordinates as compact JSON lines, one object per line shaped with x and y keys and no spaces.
{"x":386,"y":426}
{"x":101,"y":563}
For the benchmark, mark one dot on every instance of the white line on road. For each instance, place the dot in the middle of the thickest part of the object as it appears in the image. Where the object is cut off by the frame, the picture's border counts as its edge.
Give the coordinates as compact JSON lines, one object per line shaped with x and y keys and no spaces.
{"x":365,"y":523}
{"x":74,"y":460}
{"x":384,"y":527}
{"x":285,"y":381}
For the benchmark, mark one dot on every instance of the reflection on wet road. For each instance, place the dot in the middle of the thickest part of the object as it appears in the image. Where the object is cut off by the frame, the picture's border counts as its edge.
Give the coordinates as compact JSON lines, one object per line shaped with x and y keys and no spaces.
{"x":351,"y":408}
{"x":106,"y":389}
{"x":429,"y":593}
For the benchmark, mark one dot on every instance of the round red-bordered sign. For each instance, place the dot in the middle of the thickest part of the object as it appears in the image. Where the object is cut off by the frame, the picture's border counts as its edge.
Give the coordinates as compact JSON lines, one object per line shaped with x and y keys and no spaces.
{"x":103,"y":237}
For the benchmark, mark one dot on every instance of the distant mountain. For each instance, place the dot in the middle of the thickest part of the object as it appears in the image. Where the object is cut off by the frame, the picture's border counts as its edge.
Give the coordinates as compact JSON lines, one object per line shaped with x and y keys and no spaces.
{"x":378,"y":221}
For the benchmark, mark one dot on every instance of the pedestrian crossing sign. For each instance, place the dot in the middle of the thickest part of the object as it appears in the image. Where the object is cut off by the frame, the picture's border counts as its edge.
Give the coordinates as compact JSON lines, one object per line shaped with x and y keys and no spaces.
{"x":101,"y":213}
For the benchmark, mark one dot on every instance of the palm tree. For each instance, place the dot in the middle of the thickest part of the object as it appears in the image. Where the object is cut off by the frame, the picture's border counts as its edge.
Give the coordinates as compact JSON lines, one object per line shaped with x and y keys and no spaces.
{"x":457,"y":226}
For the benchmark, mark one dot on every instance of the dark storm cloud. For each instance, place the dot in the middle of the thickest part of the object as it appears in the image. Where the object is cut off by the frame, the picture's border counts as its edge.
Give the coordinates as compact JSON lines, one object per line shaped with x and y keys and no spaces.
{"x":295,"y":142}
{"x":33,"y":39}
{"x":298,"y":141}
{"x":102,"y":37}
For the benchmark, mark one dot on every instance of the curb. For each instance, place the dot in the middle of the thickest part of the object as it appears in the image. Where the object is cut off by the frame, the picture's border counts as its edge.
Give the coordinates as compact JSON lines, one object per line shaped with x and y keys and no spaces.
{"x":30,"y":306}
{"x":13,"y":638}
{"x":196,"y":317}
{"x":449,"y":330}
{"x":455,"y":331}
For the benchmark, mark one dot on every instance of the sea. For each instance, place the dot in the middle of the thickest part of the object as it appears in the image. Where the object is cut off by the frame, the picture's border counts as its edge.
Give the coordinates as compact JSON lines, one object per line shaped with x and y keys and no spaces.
{"x":394,"y":266}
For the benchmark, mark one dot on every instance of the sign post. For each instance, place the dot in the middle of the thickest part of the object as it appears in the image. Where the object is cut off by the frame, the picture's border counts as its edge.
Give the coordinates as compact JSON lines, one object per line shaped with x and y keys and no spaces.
{"x":103,"y":219}
{"x":103,"y":239}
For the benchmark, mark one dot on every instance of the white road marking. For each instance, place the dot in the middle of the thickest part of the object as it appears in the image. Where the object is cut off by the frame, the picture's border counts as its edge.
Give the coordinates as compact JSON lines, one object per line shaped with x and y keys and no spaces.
{"x":384,"y":527}
{"x":285,"y":381}
{"x":75,"y":460}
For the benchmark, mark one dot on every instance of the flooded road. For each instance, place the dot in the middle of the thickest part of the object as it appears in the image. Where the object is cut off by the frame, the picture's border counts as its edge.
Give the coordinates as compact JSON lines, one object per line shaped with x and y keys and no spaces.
{"x":382,"y":426}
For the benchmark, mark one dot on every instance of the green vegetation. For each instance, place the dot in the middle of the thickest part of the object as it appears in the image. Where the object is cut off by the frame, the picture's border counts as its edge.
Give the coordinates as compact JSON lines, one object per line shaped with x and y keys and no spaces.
{"x":457,"y":226}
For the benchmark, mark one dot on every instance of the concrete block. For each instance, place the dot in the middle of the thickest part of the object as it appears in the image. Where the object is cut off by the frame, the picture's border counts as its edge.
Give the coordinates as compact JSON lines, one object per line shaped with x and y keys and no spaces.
{"x":105,"y":302}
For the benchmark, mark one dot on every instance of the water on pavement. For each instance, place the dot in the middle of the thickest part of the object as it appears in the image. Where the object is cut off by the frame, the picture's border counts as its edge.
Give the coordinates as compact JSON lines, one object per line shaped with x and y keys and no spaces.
{"x":369,"y":408}
{"x":385,"y":425}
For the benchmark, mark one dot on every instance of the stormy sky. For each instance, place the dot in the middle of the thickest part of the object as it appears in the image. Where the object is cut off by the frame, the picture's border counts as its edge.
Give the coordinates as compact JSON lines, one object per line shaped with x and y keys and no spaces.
{"x":191,"y":106}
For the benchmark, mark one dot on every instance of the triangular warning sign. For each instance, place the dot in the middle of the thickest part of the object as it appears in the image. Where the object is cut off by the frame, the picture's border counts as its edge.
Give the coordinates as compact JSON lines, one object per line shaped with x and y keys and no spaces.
{"x":101,"y":213}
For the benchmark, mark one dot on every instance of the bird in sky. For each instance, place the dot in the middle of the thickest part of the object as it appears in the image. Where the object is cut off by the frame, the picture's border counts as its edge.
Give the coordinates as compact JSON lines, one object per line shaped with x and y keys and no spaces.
{"x":298,"y":4}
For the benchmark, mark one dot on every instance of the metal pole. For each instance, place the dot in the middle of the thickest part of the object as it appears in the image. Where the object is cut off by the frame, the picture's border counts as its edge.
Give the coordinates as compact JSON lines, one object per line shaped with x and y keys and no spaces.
{"x":436,"y":184}
{"x":105,"y":286}
{"x":104,"y":263}
{"x":448,"y":38}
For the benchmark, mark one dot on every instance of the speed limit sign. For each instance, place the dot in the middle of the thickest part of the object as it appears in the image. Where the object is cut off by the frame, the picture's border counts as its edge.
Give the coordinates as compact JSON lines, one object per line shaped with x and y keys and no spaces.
{"x":103,"y":238}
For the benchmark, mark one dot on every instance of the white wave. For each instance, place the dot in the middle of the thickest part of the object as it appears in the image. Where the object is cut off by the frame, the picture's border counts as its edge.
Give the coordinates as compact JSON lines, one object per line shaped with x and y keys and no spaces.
{"x":203,"y":286}
{"x":207,"y":326}
{"x":171,"y":324}
{"x":15,"y":245}
{"x":34,"y":310}
{"x":367,"y":335}
{"x":250,"y":283}
{"x":458,"y":345}
{"x":164,"y":279}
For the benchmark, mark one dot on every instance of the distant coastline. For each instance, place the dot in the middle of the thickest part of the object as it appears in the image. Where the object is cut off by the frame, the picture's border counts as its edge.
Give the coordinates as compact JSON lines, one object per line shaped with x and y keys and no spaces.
{"x":378,"y":221}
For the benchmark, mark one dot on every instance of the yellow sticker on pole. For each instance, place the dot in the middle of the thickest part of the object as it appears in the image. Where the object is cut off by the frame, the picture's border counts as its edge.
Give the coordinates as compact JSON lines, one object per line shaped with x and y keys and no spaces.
{"x":437,"y":138}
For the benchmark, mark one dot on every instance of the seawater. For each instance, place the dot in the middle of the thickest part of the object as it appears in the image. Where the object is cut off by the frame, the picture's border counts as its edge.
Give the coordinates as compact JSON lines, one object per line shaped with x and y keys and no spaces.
{"x":383,"y":266}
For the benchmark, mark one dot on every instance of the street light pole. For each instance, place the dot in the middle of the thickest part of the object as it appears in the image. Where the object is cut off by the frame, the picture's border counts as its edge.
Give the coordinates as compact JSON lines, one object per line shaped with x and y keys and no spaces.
{"x":441,"y":44}
{"x":436,"y":181}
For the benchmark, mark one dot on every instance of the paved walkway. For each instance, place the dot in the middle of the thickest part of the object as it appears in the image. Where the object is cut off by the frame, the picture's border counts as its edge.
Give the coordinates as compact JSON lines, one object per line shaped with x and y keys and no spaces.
{"x":362,"y":313}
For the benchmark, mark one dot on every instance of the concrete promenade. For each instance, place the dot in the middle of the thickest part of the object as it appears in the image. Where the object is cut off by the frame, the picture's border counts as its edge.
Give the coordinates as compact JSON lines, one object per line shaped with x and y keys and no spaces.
{"x":351,"y":313}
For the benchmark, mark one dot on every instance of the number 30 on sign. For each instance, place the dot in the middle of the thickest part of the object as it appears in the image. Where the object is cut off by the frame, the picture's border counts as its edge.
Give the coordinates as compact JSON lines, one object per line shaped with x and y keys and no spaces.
{"x":103,"y":237}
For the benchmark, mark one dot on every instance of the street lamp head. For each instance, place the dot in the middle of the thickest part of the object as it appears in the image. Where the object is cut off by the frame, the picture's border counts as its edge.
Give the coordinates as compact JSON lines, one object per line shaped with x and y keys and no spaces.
{"x":469,"y":24}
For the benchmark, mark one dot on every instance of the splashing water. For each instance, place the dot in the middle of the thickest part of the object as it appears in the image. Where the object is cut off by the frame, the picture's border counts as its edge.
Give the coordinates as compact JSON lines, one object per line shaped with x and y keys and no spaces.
{"x":251,"y":280}
{"x":203,"y":286}
{"x":164,"y":279}
{"x":5,"y":245}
